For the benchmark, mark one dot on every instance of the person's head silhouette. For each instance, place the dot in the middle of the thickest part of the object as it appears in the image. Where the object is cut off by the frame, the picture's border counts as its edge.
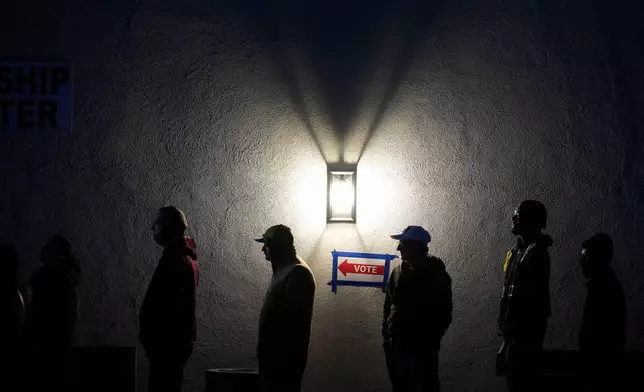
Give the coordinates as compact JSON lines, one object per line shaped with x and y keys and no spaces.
{"x":170,"y":226}
{"x":596,"y":255}
{"x":279,"y":244}
{"x":57,"y":251}
{"x":413,"y":245}
{"x":529,"y":218}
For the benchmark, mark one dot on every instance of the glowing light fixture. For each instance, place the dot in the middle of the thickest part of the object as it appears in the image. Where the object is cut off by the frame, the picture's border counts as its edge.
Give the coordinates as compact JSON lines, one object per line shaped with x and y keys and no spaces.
{"x":341,"y":198}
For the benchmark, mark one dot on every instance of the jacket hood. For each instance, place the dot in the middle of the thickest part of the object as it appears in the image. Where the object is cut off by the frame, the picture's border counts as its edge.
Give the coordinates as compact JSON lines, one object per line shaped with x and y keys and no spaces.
{"x":435,"y":263}
{"x":543,"y":240}
{"x":190,"y":247}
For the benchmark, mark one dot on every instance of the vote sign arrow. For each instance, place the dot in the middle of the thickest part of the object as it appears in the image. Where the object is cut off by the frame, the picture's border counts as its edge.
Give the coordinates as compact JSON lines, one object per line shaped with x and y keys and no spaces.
{"x":364,"y":269}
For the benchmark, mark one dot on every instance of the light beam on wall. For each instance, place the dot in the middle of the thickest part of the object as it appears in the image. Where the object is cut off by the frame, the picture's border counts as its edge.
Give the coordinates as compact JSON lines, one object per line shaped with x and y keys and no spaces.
{"x":341,"y":193}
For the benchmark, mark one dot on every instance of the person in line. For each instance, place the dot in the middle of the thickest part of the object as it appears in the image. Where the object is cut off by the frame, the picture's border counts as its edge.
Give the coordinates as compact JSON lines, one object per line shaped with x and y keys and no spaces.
{"x":53,"y":313}
{"x":12,"y":308}
{"x":285,"y":318}
{"x":603,"y":330}
{"x":525,"y":303}
{"x":167,"y":321}
{"x":417,"y":313}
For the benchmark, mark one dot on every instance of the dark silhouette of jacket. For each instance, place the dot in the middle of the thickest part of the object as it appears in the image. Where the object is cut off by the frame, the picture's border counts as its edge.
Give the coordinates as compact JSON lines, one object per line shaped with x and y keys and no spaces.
{"x":285,"y":325}
{"x":12,"y":308}
{"x":51,"y":324}
{"x":54,"y":306}
{"x":167,"y":317}
{"x":418,"y":306}
{"x":603,"y":329}
{"x":13,"y":311}
{"x":525,"y":303}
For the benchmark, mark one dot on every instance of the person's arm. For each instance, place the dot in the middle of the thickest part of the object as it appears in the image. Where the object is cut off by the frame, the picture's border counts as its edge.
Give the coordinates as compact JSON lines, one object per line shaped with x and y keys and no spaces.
{"x":68,"y":310}
{"x":188,"y":303}
{"x":608,"y":327}
{"x":501,"y":321}
{"x":445,"y":305}
{"x":387,"y":311}
{"x":299,"y":295}
{"x":291,"y":326}
{"x":435,"y":308}
{"x":74,"y":309}
{"x":526,"y":304}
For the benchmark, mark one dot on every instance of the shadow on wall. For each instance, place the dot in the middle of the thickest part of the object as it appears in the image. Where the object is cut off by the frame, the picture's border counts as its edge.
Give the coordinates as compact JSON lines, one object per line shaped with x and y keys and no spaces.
{"x":329,"y":57}
{"x":343,"y":46}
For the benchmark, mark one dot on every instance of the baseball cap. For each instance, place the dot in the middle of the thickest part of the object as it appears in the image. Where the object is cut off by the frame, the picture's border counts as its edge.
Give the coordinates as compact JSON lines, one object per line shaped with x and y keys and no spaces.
{"x":278,"y":234}
{"x":414,"y":233}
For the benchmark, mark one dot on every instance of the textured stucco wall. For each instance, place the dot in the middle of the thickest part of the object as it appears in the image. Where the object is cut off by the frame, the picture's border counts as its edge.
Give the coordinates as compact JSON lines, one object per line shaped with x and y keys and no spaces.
{"x":459,"y":112}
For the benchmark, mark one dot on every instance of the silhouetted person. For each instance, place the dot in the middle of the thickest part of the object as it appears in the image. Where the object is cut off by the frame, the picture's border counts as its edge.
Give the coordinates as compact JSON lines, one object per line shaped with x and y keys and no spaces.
{"x":525,"y":304}
{"x":12,"y":309}
{"x":417,"y":313}
{"x":285,"y":319}
{"x":603,"y":329}
{"x":53,"y":314}
{"x":167,"y":322}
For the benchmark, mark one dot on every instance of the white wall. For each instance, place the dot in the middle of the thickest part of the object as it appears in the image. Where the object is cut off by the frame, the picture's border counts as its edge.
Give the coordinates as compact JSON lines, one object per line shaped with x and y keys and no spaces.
{"x":188,"y":104}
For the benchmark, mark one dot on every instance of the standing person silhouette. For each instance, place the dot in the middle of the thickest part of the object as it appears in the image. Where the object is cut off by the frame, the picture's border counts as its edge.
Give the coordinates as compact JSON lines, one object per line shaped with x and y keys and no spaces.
{"x":53,"y":313}
{"x":416,"y":314}
{"x":603,"y":329}
{"x":285,"y":318}
{"x":525,"y":303}
{"x":167,"y":321}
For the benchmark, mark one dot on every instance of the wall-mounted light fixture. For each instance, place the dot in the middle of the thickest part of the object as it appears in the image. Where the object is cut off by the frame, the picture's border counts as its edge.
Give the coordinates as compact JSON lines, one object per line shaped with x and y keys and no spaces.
{"x":341,"y":193}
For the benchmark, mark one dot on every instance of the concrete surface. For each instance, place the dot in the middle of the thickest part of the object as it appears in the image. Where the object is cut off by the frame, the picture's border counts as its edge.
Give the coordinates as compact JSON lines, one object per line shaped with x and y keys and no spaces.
{"x":456,"y":112}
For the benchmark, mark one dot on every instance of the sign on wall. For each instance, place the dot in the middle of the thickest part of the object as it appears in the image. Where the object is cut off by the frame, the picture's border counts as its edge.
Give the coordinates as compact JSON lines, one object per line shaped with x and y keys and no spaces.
{"x":360,"y":269}
{"x":35,"y":95}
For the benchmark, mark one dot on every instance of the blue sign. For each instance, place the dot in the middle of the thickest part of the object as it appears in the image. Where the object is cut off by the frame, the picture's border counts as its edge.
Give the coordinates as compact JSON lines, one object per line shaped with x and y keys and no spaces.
{"x":35,"y":95}
{"x":360,"y":269}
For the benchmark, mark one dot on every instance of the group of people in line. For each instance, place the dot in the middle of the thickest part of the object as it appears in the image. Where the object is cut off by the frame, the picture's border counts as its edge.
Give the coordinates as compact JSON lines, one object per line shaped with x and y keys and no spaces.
{"x":417,"y":310}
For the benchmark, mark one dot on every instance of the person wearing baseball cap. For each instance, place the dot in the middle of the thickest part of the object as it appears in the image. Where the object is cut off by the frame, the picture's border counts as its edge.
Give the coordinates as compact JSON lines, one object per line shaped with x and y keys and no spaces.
{"x":417,"y":313}
{"x":285,"y":318}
